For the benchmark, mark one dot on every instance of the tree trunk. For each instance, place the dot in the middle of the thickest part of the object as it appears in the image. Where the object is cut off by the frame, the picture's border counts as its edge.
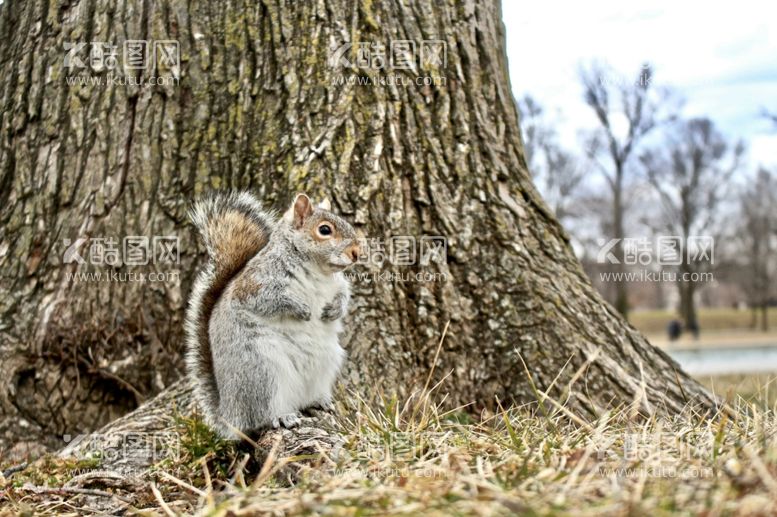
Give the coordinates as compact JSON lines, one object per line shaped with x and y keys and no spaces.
{"x":687,"y":291}
{"x":621,"y":287}
{"x":765,"y":317}
{"x":259,"y":106}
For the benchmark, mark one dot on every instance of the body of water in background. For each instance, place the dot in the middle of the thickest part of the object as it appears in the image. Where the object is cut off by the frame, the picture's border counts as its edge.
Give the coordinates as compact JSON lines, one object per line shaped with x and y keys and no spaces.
{"x":721,"y":361}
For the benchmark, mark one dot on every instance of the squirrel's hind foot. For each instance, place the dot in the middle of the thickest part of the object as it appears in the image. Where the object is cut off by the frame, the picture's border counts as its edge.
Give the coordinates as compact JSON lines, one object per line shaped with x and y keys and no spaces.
{"x":323,"y":405}
{"x":287,"y":421}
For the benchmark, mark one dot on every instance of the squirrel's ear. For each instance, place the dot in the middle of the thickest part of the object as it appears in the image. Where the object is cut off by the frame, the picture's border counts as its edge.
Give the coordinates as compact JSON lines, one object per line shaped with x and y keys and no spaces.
{"x":325,"y":204}
{"x":301,"y":208}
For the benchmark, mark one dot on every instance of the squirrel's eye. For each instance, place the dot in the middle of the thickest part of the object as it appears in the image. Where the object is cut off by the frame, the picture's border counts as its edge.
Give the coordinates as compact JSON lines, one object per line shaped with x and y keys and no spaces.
{"x":325,"y":229}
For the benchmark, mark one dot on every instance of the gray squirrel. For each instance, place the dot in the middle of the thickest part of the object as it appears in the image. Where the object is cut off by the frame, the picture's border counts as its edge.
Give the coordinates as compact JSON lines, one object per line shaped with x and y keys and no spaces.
{"x":264,"y":314}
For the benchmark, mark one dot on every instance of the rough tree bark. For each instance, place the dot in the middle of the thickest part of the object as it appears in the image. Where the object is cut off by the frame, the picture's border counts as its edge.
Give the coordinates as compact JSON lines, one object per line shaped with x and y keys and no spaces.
{"x":259,"y":106}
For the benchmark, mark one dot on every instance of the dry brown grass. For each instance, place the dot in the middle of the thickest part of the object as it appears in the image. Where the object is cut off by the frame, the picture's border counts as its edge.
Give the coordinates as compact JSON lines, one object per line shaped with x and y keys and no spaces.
{"x":410,"y":457}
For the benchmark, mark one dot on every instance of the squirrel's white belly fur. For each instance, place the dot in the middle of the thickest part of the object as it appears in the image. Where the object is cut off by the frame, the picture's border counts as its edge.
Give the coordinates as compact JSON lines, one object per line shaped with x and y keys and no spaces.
{"x":294,"y":363}
{"x":312,"y":347}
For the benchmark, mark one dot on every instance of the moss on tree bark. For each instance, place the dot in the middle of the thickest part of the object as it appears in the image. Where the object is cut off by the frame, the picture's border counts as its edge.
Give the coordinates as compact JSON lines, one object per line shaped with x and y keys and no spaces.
{"x":260,"y":105}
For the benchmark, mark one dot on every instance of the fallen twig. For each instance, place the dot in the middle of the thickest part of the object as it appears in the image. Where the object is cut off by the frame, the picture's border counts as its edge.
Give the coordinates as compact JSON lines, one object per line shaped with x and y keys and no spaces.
{"x":13,"y":470}
{"x":65,"y":491}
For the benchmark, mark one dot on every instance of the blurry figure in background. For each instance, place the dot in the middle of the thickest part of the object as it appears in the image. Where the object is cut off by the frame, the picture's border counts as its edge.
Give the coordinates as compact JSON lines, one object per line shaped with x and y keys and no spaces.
{"x":693,"y":328}
{"x":674,"y":329}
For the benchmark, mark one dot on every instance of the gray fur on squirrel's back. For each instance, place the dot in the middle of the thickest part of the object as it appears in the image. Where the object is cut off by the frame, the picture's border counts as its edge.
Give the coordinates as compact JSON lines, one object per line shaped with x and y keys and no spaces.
{"x":234,"y":227}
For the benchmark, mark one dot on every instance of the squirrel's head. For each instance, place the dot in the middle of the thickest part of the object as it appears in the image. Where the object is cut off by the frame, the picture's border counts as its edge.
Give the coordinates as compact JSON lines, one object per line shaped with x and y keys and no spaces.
{"x":319,"y":233}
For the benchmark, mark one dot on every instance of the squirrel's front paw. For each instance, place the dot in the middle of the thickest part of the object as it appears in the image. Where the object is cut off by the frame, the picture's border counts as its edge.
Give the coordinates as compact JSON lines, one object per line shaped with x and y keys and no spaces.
{"x":335,"y":309}
{"x":304,"y":313}
{"x":288,"y":421}
{"x":298,"y":310}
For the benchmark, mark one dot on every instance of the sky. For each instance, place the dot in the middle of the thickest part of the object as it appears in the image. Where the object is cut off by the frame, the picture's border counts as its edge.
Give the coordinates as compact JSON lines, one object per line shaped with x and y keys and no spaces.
{"x":720,"y":57}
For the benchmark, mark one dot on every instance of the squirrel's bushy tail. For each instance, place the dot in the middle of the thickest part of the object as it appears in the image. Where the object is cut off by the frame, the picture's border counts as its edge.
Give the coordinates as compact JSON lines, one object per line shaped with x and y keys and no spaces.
{"x":234,"y":228}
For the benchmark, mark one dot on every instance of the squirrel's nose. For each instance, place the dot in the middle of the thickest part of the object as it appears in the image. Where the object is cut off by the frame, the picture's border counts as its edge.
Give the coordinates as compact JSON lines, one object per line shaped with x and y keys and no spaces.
{"x":353,"y":252}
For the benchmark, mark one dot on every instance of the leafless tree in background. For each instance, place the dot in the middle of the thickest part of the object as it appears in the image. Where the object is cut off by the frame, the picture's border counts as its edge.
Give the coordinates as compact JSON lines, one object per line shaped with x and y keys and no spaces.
{"x":771,"y":116}
{"x":691,"y":173}
{"x":556,"y":171}
{"x":534,"y":131}
{"x":758,"y":235}
{"x":627,"y":111}
{"x":563,"y":176}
